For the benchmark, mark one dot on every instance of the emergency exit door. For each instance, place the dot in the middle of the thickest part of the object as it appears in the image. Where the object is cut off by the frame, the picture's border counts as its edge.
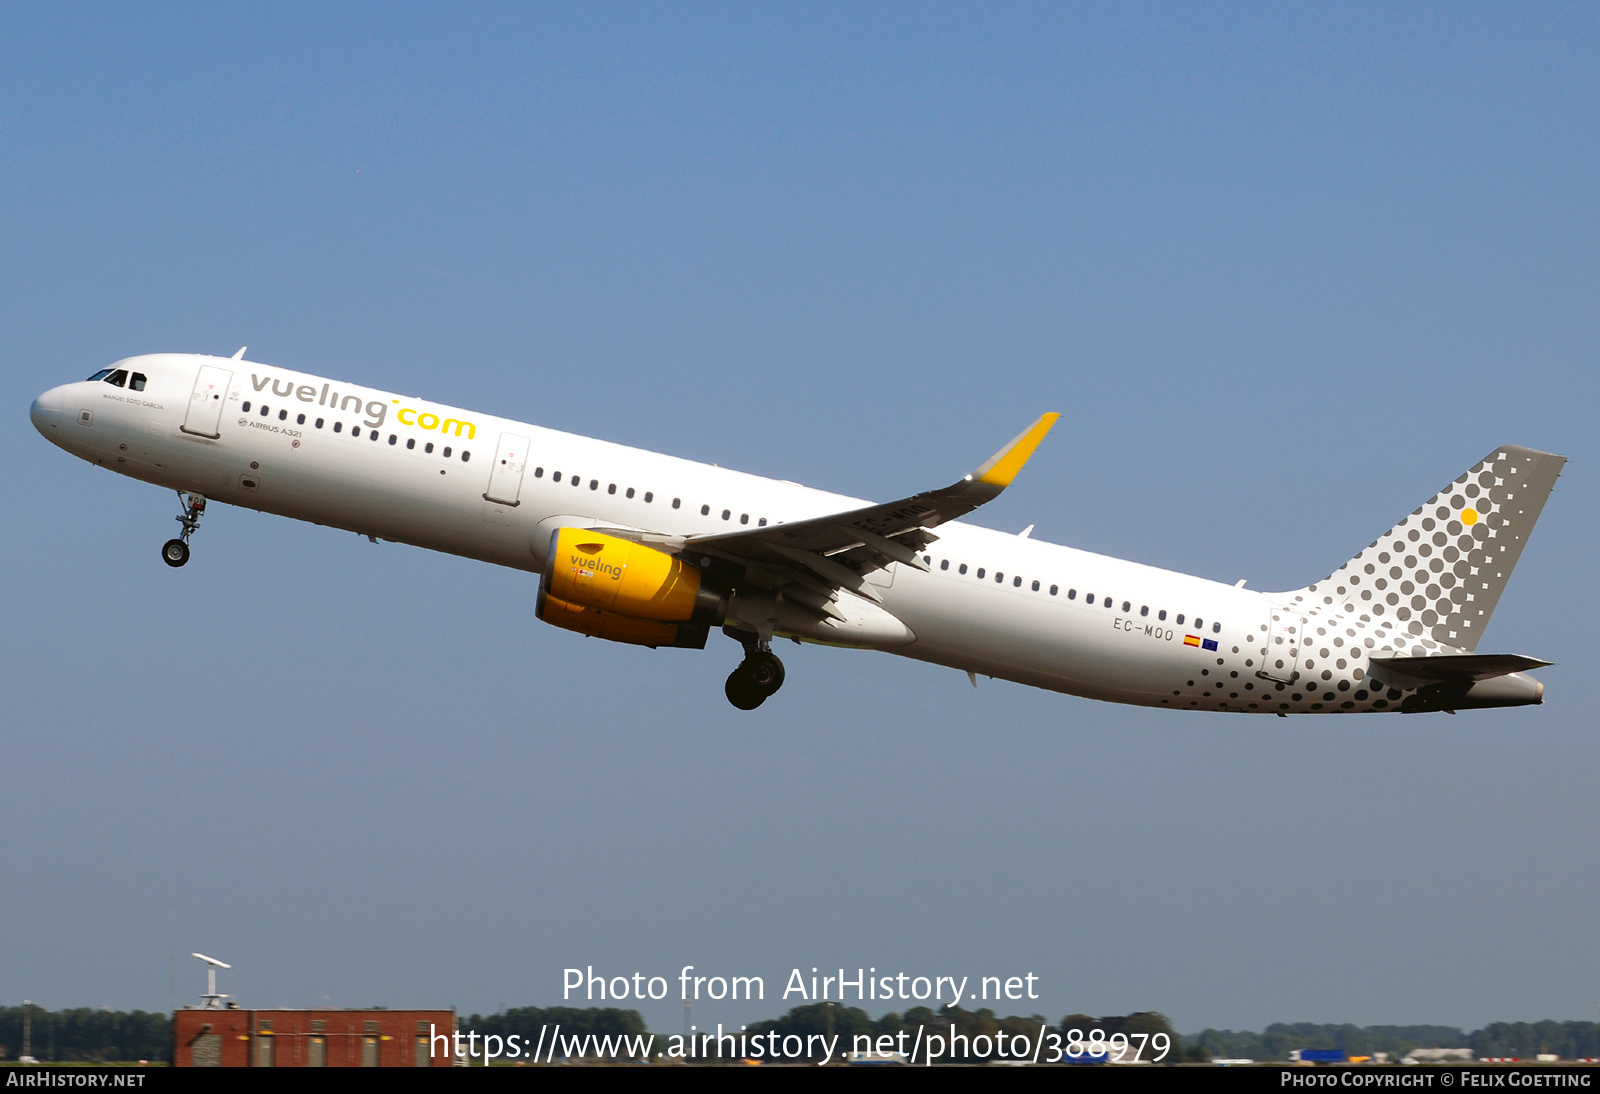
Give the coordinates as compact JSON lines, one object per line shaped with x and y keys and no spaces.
{"x":1280,"y":658}
{"x":505,"y":477}
{"x":204,"y":417}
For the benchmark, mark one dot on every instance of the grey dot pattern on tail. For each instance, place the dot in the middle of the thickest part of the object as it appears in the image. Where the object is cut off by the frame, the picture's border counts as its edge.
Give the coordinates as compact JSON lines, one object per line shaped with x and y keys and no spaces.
{"x":1427,"y":586}
{"x":1439,"y":573}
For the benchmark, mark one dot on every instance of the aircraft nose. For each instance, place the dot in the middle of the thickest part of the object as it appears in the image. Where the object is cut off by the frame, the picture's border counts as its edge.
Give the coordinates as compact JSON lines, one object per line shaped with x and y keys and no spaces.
{"x":46,"y":411}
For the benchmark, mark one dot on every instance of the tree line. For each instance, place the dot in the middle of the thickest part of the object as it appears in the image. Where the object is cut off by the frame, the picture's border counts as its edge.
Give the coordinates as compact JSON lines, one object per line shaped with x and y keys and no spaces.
{"x":851,"y":1022}
{"x":526,"y":1022}
{"x":83,"y":1034}
{"x":87,"y":1035}
{"x":1522,"y":1040}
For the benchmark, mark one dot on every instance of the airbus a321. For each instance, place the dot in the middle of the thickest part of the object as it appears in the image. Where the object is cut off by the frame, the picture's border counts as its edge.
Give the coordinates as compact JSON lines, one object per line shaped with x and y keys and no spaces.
{"x":636,"y":547}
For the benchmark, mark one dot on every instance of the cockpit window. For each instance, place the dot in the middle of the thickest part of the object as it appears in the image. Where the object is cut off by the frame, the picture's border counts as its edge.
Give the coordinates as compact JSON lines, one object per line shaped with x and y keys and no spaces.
{"x":136,"y":382}
{"x":119,"y":377}
{"x":101,"y":375}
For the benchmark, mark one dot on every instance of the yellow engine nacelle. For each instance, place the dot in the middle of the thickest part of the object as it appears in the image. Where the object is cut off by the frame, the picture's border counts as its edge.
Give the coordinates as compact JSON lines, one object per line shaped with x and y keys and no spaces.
{"x":591,"y":570}
{"x":619,"y":628}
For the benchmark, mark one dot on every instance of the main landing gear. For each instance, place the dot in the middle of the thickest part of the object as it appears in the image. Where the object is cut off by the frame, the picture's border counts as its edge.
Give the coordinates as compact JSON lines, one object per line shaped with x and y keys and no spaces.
{"x":758,"y":677}
{"x":175,"y":552}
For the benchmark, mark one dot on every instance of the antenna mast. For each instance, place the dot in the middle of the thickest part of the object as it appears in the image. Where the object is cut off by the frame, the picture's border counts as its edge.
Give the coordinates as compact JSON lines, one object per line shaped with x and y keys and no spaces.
{"x":213,"y":1000}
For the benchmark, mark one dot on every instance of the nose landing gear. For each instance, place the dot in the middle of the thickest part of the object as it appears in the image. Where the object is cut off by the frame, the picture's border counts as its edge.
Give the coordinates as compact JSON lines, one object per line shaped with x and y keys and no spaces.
{"x":759,"y":675}
{"x":175,"y":552}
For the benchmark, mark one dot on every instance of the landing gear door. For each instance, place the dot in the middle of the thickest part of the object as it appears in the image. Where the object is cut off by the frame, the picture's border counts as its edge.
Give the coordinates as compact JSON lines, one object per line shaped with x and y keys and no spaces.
{"x":204,"y":418}
{"x":1280,"y":658}
{"x":505,"y":477}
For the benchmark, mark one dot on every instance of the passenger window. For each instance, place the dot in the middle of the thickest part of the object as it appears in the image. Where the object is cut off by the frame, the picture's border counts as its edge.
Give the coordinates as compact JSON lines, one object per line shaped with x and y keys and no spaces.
{"x":944,"y":564}
{"x":762,"y":523}
{"x":447,"y":452}
{"x":1162,"y":614}
{"x":980,"y":571}
{"x":630,"y":492}
{"x":1127,"y":607}
{"x":374,"y":434}
{"x":1198,"y":622}
{"x":962,"y":568}
{"x":649,"y":497}
{"x":1108,"y":602}
{"x":594,"y":484}
{"x":1216,"y":628}
{"x":999,"y":578}
{"x":677,"y":502}
{"x":411,"y":442}
{"x":538,"y":472}
{"x":319,"y":423}
{"x":576,"y":481}
{"x":1144,"y":610}
{"x":243,"y":409}
{"x":612,"y":489}
{"x":118,"y":378}
{"x":393,"y":438}
{"x":465,"y":455}
{"x":283,"y":415}
{"x":1016,"y":583}
{"x":338,"y":427}
{"x":137,"y":383}
{"x":1179,"y":620}
{"x":1035,"y":586}
{"x":744,"y":518}
{"x":705,"y":510}
{"x":1053,"y":589}
{"x":265,"y":410}
{"x":726,"y":514}
{"x":300,"y":419}
{"x":555,"y":476}
{"x":1072,"y":594}
{"x":428,"y":447}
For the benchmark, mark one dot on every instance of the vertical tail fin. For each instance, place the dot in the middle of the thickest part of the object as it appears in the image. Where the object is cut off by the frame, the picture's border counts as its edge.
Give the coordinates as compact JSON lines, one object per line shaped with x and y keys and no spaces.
{"x":1441,"y":570}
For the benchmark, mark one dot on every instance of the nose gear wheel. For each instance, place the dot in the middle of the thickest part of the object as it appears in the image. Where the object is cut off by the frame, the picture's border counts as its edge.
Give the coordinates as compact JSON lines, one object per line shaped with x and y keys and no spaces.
{"x":175,"y":552}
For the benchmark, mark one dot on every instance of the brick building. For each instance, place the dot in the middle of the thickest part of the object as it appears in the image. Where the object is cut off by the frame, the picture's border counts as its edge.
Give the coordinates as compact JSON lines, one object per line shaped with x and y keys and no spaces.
{"x":234,"y":1037}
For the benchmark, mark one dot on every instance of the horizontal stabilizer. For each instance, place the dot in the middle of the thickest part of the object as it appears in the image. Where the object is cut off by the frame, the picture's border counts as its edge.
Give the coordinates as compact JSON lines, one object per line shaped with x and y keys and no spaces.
{"x":1459,"y":667}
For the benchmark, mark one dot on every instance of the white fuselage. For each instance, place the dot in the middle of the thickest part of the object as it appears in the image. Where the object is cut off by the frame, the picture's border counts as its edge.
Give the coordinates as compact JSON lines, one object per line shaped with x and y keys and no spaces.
{"x":405,"y":469}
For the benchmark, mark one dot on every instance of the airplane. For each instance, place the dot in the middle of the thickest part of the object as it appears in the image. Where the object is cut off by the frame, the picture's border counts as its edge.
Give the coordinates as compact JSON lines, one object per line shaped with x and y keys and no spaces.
{"x":637,"y":547}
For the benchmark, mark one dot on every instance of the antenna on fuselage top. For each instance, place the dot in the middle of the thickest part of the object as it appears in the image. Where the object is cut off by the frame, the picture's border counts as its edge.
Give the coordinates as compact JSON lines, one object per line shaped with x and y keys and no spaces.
{"x":240,"y":355}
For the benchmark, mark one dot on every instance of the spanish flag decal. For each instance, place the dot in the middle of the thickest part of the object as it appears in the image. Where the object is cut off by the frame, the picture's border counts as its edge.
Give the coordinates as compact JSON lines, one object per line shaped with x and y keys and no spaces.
{"x":1191,"y":640}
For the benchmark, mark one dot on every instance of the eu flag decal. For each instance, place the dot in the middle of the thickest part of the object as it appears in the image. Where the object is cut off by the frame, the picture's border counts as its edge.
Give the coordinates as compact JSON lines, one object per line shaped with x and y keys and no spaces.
{"x":1209,"y":644}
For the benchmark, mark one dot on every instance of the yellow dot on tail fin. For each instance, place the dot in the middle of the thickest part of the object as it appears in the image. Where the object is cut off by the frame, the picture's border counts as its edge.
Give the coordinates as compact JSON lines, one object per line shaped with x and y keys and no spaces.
{"x":1469,"y":516}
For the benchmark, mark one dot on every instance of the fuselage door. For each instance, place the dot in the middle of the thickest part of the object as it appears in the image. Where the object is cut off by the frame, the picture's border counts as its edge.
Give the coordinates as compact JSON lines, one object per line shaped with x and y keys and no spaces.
{"x":1280,"y":659}
{"x":505,"y":477}
{"x":204,"y":418}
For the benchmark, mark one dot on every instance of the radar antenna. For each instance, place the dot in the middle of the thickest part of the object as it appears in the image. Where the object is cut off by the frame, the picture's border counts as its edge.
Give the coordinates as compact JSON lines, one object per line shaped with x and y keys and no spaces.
{"x":213,"y":1000}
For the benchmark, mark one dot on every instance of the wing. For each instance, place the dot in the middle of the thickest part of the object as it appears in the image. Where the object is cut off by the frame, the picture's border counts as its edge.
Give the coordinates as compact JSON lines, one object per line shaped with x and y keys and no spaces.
{"x":836,"y":551}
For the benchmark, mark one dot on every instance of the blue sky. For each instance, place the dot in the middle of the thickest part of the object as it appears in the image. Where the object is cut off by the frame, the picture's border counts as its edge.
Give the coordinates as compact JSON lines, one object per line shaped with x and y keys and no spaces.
{"x":1284,"y":270}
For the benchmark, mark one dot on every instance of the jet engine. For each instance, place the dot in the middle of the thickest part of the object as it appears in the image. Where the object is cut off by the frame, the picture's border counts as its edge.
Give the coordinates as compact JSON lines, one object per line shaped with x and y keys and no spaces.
{"x":619,"y":628}
{"x":611,"y":588}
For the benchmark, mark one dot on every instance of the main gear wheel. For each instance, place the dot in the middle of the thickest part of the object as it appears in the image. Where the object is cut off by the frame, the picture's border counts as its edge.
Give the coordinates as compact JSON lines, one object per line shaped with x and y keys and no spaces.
{"x":757,"y":678}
